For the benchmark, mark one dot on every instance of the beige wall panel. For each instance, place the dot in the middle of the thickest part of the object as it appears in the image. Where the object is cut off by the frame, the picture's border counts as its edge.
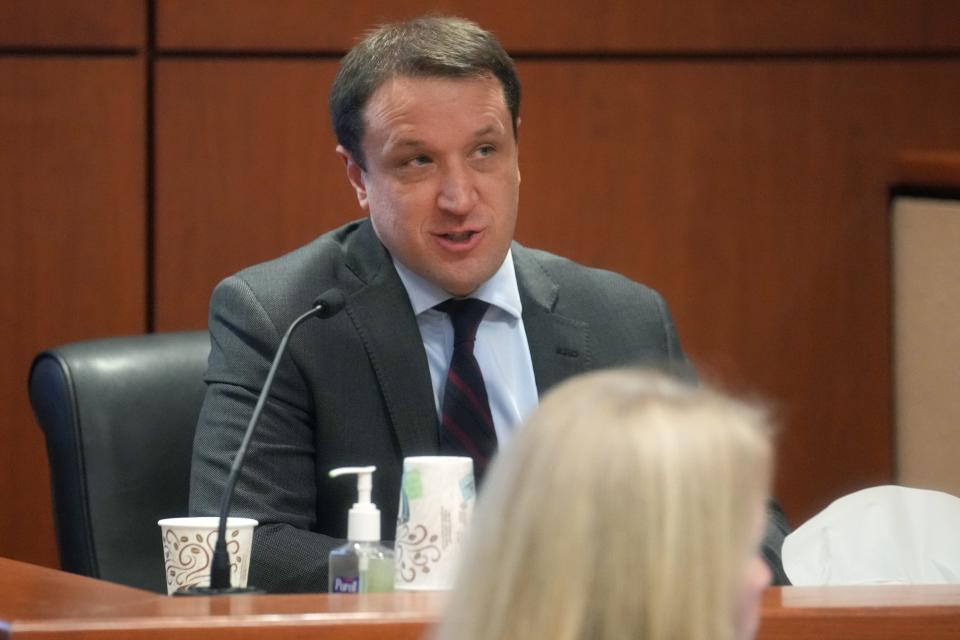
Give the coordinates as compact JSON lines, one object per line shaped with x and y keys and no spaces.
{"x":926,"y":240}
{"x":543,"y":25}
{"x":72,"y":23}
{"x":71,"y":248}
{"x":246,"y":170}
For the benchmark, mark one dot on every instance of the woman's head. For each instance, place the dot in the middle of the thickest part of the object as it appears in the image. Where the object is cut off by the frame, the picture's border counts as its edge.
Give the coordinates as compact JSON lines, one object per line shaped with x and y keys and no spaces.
{"x":629,"y":505}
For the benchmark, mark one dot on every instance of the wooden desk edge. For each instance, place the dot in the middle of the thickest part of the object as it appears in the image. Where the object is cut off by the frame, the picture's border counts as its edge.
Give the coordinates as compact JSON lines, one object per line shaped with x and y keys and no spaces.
{"x":43,"y":604}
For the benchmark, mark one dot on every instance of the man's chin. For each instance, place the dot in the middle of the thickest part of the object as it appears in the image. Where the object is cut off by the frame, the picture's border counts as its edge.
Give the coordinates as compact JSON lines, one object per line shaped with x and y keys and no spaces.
{"x":460,"y":290}
{"x":460,"y":286}
{"x":462,"y":277}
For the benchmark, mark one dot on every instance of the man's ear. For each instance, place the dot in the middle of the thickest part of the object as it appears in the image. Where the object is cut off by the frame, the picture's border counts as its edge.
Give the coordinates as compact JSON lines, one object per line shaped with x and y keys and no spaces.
{"x":518,"y":148}
{"x":354,"y":175}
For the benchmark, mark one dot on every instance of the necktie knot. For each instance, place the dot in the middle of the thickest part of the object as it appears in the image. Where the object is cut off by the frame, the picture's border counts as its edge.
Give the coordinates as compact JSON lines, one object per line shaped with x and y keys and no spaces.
{"x":466,"y":315}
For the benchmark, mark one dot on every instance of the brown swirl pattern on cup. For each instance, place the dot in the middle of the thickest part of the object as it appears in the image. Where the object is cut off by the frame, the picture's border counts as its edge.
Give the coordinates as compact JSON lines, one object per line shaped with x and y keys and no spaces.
{"x":416,"y":551}
{"x":187,"y":559}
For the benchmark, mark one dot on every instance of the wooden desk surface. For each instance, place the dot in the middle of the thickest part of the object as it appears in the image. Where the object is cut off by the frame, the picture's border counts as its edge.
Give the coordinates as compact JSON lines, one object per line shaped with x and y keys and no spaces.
{"x":39,"y":604}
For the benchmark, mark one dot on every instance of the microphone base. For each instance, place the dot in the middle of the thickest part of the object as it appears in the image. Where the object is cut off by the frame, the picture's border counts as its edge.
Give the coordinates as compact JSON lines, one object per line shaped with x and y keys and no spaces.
{"x":210,"y":591}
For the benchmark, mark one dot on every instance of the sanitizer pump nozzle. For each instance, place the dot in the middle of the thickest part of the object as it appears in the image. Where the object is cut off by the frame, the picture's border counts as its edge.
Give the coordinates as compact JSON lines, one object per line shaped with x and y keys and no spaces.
{"x":363,"y":520}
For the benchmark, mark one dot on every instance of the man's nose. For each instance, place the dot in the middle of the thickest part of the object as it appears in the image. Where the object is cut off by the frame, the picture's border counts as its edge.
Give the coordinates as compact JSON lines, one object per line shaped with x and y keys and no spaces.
{"x":458,"y":191}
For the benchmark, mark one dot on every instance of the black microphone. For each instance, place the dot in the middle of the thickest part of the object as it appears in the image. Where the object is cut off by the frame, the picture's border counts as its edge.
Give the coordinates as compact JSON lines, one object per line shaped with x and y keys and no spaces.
{"x":328,"y":304}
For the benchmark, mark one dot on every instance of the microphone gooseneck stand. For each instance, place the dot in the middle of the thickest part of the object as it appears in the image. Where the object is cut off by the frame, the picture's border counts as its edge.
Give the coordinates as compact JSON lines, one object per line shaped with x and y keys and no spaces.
{"x":326,"y":305}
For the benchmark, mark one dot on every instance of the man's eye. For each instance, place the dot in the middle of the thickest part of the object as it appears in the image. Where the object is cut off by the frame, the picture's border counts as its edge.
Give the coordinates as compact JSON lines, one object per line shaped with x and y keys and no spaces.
{"x":418,"y":161}
{"x":485,"y":150}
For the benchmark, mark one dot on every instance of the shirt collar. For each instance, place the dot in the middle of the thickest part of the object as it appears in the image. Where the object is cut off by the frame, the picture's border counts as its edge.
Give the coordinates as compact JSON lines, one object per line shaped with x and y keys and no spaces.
{"x":500,"y":290}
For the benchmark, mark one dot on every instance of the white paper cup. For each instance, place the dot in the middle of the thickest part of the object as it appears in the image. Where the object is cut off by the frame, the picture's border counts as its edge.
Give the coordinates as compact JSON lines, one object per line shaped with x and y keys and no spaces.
{"x":436,"y":503}
{"x":188,"y":550}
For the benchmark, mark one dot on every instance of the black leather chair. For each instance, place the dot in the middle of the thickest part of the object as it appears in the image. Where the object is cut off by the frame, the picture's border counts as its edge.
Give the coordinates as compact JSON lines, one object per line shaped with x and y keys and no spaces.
{"x":119,"y":416}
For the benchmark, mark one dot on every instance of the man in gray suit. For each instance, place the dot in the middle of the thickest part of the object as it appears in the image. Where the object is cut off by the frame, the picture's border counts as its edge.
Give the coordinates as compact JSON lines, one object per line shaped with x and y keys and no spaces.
{"x":426,"y":115}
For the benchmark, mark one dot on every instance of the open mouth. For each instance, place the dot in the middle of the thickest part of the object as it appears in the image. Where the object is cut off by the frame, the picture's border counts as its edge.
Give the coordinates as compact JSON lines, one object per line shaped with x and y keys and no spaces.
{"x":461,"y":236}
{"x":460,"y":241}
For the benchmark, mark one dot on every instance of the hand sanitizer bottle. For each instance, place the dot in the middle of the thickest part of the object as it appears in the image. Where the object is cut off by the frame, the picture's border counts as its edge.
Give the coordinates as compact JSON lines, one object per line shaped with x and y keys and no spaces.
{"x":363,"y":565}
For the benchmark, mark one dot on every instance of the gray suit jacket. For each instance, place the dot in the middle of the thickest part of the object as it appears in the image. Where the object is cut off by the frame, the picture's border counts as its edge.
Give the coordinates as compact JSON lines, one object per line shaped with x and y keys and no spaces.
{"x":355,"y":389}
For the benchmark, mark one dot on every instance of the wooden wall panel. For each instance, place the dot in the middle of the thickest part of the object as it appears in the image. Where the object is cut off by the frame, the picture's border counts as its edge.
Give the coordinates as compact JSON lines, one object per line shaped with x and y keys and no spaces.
{"x":543,"y":25}
{"x":71,"y":248}
{"x":754,"y":196}
{"x":921,"y":169}
{"x":72,"y":23}
{"x":246,"y":170}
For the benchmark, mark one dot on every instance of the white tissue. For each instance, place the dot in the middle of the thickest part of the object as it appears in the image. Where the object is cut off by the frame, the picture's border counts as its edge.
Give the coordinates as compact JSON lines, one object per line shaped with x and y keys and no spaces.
{"x":881,"y":535}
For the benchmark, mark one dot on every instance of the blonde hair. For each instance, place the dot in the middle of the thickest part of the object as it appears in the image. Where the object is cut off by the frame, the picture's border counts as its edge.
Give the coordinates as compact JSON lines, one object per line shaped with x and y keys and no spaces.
{"x":625,"y":507}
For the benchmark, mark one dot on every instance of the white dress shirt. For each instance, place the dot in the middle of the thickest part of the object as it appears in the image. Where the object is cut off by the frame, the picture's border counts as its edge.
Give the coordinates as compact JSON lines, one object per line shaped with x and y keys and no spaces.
{"x":501,"y":348}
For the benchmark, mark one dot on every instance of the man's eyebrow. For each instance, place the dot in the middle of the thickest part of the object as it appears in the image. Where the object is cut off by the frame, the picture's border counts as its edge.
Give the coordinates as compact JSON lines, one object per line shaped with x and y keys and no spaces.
{"x":403,"y":142}
{"x":416,"y":143}
{"x":488,"y":130}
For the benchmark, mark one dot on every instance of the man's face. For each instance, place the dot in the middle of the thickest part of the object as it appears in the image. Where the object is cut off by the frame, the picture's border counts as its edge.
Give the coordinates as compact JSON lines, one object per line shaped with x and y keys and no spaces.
{"x":442,"y":182}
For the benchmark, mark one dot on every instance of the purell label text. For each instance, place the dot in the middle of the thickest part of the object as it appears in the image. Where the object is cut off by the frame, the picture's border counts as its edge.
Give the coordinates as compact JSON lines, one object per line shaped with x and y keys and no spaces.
{"x":346,"y":585}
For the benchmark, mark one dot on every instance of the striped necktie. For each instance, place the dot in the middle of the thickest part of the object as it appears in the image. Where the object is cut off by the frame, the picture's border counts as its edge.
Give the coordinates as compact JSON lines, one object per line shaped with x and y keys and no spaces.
{"x":466,"y":424}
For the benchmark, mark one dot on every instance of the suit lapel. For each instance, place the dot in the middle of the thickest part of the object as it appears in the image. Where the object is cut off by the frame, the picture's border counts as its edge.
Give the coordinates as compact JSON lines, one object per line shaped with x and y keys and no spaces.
{"x":384,"y":320}
{"x":558,"y":344}
{"x":381,"y":313}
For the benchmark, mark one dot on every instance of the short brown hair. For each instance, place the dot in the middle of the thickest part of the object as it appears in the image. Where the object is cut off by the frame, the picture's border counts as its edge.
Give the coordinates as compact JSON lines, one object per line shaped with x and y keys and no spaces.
{"x":438,"y":46}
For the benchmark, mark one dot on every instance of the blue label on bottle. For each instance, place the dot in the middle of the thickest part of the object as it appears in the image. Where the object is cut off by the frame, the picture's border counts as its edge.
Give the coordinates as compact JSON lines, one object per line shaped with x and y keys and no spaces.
{"x":346,"y":585}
